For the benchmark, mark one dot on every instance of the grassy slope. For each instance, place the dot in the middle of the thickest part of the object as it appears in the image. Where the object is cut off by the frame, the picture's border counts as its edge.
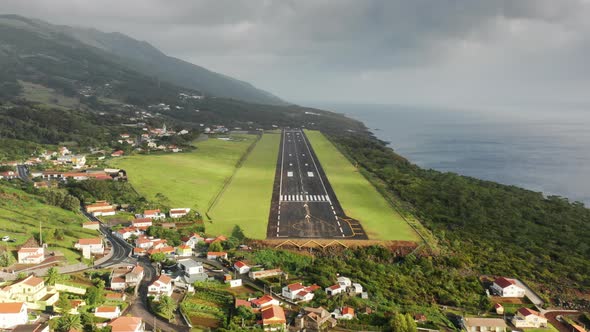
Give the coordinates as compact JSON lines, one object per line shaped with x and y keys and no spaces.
{"x":187,"y":179}
{"x":21,"y":213}
{"x":246,"y":202}
{"x":359,"y":199}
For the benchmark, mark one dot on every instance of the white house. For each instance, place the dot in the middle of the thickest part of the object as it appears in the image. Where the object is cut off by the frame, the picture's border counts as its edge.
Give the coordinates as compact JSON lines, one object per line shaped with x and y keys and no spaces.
{"x":356,"y":288}
{"x":344,"y":281}
{"x":94,"y":225}
{"x":141,"y":222}
{"x":12,"y":314}
{"x":31,"y":255}
{"x":346,"y":313}
{"x":134,"y":276}
{"x":476,"y":324}
{"x":506,"y":287}
{"x":526,"y":317}
{"x":179,"y":212}
{"x":153,"y":214}
{"x":118,"y":283}
{"x":264,"y":301}
{"x":107,"y":311}
{"x":89,"y":247}
{"x":192,"y":240}
{"x":127,"y":232}
{"x":241,"y":267}
{"x":127,"y":324}
{"x":216,"y":254}
{"x":162,"y":286}
{"x":298,"y":292}
{"x":334,"y":290}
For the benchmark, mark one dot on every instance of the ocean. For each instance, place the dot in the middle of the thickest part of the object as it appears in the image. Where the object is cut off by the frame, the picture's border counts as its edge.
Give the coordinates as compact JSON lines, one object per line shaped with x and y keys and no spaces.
{"x":542,"y":150}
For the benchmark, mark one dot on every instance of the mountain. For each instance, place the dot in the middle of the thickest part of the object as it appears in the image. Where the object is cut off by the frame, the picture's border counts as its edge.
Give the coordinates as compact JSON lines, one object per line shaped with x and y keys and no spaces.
{"x":145,"y":58}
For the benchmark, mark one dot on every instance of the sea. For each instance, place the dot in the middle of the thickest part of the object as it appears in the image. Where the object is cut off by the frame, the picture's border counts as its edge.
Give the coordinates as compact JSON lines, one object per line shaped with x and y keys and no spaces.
{"x":545,"y":149}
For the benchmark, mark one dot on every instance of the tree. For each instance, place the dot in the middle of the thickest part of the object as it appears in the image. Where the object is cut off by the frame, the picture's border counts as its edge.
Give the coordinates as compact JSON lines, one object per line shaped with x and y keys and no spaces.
{"x":216,"y":246}
{"x":87,"y":321}
{"x":411,"y":325}
{"x":166,"y":306}
{"x":238,"y":233}
{"x":52,"y":276}
{"x":68,"y":322}
{"x":63,"y":304}
{"x":158,"y":257}
{"x":7,"y":258}
{"x":95,"y":294}
{"x":398,"y":323}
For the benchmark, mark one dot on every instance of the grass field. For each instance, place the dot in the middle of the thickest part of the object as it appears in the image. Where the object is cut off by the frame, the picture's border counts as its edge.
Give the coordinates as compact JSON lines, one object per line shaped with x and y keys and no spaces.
{"x":20,"y":215}
{"x":189,"y":179}
{"x":47,"y":96}
{"x":359,"y":199}
{"x":246,"y":201}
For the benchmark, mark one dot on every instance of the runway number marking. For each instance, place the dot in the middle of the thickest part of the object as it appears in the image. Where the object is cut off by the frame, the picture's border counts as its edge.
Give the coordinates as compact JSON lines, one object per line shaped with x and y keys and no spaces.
{"x":290,"y":174}
{"x":310,"y":174}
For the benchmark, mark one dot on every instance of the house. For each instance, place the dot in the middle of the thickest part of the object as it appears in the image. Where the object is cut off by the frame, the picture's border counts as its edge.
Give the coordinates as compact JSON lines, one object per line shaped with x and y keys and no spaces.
{"x":192,"y":240}
{"x":499,"y":308}
{"x":166,"y":250}
{"x":89,"y":247}
{"x":63,"y":151}
{"x":241,"y":267}
{"x":117,"y":153}
{"x":100,"y":208}
{"x":107,"y":311}
{"x":346,"y":313}
{"x":141,"y":222}
{"x":179,"y":213}
{"x":264,"y":273}
{"x":127,"y":232}
{"x":314,"y":319}
{"x":34,"y":255}
{"x":115,"y":296}
{"x":134,"y":276}
{"x":162,"y":286}
{"x":526,"y":317}
{"x":95,"y":225}
{"x":191,"y":271}
{"x":127,"y":324}
{"x":34,"y":327}
{"x":184,"y":250}
{"x":273,"y":318}
{"x":242,"y":303}
{"x":118,"y":283}
{"x":334,"y":290}
{"x":344,"y":282}
{"x":298,"y":292}
{"x":139,"y":252}
{"x":476,"y":324}
{"x":220,"y":238}
{"x":13,"y":314}
{"x":356,"y":288}
{"x":31,"y":290}
{"x":153,"y":214}
{"x":506,"y":287}
{"x":8,"y":175}
{"x":77,"y":161}
{"x":264,"y":301}
{"x":216,"y":254}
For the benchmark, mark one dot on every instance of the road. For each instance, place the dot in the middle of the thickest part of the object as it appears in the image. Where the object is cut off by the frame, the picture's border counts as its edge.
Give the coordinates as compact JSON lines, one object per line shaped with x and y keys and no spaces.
{"x":23,"y":173}
{"x":303,"y":203}
{"x":121,"y":249}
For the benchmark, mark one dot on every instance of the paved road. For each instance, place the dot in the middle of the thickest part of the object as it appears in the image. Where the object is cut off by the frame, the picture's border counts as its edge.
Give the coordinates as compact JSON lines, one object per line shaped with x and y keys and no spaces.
{"x":304,"y":204}
{"x":121,"y":249}
{"x":23,"y":173}
{"x":552,"y":318}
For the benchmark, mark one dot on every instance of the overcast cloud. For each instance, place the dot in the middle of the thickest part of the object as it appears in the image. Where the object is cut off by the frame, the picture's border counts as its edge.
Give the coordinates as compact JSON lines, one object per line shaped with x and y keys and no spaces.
{"x":452,"y":52}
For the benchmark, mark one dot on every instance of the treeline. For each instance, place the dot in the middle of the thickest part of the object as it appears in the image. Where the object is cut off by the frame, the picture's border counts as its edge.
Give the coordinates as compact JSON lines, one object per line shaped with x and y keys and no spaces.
{"x":490,"y":228}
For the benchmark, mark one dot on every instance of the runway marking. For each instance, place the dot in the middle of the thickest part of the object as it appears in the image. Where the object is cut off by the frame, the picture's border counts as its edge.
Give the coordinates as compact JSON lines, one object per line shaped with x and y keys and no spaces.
{"x":290,"y":164}
{"x":290,"y":174}
{"x":310,"y":174}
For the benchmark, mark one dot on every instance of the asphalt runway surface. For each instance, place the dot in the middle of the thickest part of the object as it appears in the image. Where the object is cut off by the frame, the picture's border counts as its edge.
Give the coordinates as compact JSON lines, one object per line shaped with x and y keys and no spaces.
{"x":304,"y":204}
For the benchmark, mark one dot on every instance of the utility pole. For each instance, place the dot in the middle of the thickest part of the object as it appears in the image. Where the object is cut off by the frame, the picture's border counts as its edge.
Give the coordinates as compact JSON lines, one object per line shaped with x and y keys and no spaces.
{"x":41,"y":234}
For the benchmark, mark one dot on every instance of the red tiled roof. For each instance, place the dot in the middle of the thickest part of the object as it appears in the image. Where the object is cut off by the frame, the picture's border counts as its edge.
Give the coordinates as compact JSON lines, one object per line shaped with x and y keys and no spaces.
{"x":33,"y":281}
{"x":84,"y":242}
{"x":262,"y":300}
{"x":125,"y":324}
{"x":273,"y":315}
{"x":334,"y":287}
{"x":347,"y":311}
{"x":11,"y":307}
{"x":527,"y":312}
{"x":504,"y":282}
{"x":312,"y":288}
{"x":244,"y":303}
{"x":294,"y":287}
{"x":216,"y":253}
{"x":151,"y":211}
{"x":240,"y":264}
{"x":107,"y":308}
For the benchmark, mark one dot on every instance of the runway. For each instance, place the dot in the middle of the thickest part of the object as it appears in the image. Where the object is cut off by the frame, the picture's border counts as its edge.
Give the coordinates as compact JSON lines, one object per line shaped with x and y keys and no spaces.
{"x":303,"y":203}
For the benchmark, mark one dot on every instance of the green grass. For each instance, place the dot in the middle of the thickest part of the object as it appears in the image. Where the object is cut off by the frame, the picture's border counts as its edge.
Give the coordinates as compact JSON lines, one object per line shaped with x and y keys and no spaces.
{"x":189,"y":179}
{"x":550,"y":328}
{"x":246,"y":201}
{"x":47,"y":96}
{"x":358,"y":197}
{"x":21,"y":213}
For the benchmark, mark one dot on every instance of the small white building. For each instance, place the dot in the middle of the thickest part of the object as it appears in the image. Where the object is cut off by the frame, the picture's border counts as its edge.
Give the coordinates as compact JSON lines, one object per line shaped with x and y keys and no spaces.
{"x":94,"y":225}
{"x":192,"y":240}
{"x":141,"y":222}
{"x":107,"y":311}
{"x":162,"y":286}
{"x":344,"y":281}
{"x":526,"y":317}
{"x":241,"y":267}
{"x":212,"y":255}
{"x":506,"y":287}
{"x":13,"y":314}
{"x":179,"y":212}
{"x":127,"y":324}
{"x":31,"y":255}
{"x":153,"y":214}
{"x":334,"y":290}
{"x":356,"y":288}
{"x":89,"y":247}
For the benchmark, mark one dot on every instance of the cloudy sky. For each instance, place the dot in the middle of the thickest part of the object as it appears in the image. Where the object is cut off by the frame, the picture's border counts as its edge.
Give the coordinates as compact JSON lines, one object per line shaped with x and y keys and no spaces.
{"x":453,"y":52}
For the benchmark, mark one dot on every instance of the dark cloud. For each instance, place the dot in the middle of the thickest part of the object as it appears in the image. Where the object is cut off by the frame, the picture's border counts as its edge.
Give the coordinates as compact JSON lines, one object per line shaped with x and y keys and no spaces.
{"x":368,"y":50}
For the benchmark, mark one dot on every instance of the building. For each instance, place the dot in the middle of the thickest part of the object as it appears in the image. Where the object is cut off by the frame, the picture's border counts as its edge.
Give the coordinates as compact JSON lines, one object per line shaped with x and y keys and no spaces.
{"x":107,"y":311}
{"x":13,"y":314}
{"x":141,"y":223}
{"x":273,"y":318}
{"x":117,"y":153}
{"x":8,"y":175}
{"x":241,"y":267}
{"x":127,"y":232}
{"x":95,"y":225}
{"x":179,"y":213}
{"x":34,"y":255}
{"x":216,"y":254}
{"x":314,"y":319}
{"x":506,"y":287}
{"x":89,"y":247}
{"x":127,"y":324}
{"x":346,"y":313}
{"x":499,"y":308}
{"x":192,"y":240}
{"x":484,"y":324}
{"x":526,"y":317}
{"x":264,"y":301}
{"x":264,"y":273}
{"x":35,"y":327}
{"x":31,"y":290}
{"x":335,"y":289}
{"x":166,"y":250}
{"x":298,"y":292}
{"x":100,"y":208}
{"x":191,"y":271}
{"x":184,"y":250}
{"x":356,"y":288}
{"x":162,"y":286}
{"x":153,"y":214}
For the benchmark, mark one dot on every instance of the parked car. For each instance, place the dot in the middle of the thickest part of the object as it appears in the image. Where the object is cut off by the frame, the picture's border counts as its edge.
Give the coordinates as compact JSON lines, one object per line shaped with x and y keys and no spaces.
{"x":6,"y":238}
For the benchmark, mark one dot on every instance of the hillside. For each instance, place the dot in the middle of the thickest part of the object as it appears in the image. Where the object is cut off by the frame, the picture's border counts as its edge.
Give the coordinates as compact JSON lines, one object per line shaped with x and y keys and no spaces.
{"x":143,"y":57}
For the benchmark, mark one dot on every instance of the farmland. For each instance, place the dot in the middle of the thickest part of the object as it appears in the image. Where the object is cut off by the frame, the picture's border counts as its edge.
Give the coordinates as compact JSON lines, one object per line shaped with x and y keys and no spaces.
{"x":189,"y":179}
{"x":359,"y":199}
{"x":20,"y":217}
{"x":249,"y":192}
{"x":208,"y":307}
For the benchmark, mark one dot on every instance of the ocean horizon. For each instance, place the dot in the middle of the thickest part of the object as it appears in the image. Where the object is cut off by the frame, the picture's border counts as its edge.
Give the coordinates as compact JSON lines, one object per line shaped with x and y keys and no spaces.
{"x":534,"y":149}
